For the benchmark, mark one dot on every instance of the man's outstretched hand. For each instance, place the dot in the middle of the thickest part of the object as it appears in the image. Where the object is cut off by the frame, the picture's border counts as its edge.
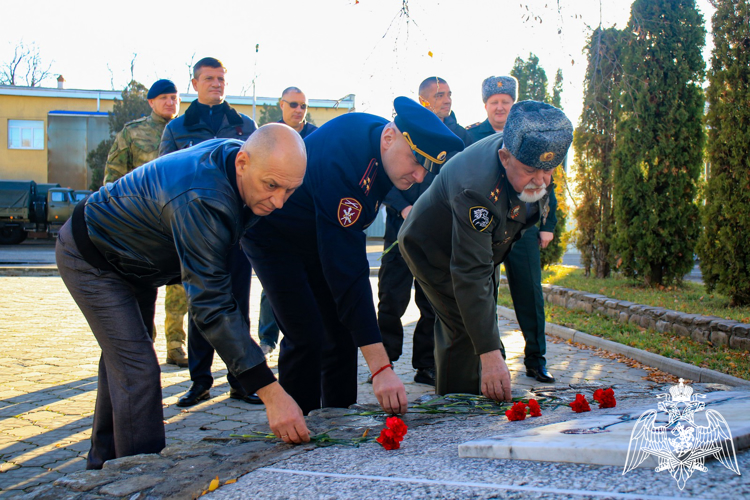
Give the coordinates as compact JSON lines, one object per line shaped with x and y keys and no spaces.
{"x":284,"y":415}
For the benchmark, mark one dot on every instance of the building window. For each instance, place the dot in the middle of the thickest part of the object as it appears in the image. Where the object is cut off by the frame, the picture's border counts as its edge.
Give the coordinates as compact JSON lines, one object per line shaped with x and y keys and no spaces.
{"x":25,"y":134}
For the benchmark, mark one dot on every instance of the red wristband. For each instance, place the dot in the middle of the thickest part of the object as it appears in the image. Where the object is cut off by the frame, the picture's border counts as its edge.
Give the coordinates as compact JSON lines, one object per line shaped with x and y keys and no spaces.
{"x":377,"y":372}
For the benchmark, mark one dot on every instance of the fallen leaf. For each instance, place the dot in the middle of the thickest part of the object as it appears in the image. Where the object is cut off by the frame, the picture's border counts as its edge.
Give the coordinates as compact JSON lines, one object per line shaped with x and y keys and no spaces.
{"x":214,"y":484}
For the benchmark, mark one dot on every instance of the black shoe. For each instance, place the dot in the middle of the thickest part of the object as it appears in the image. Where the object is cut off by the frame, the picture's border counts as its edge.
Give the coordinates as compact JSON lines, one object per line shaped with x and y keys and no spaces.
{"x":541,"y":374}
{"x":253,"y":399}
{"x":196,"y":394}
{"x":425,"y":376}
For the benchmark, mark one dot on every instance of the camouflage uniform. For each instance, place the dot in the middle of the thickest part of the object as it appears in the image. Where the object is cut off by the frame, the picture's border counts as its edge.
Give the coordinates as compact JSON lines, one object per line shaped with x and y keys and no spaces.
{"x":136,"y":145}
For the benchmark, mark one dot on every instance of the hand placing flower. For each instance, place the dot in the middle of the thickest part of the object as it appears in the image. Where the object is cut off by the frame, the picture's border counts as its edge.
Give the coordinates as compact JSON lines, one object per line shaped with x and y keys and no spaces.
{"x":535,"y":410}
{"x":580,"y":405}
{"x":517,"y":411}
{"x":391,"y":437}
{"x":605,"y":397}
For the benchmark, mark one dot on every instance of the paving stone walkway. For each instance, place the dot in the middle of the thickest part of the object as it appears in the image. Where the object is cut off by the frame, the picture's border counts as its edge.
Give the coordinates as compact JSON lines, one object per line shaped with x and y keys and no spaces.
{"x":48,"y":369}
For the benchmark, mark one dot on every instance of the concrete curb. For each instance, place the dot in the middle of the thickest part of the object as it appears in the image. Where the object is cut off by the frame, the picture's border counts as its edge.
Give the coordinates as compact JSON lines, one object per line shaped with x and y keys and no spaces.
{"x":29,"y":271}
{"x":669,"y":365}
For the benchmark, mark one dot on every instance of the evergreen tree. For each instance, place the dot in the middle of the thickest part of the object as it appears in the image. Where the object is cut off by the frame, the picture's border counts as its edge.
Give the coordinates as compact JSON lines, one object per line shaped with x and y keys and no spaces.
{"x":532,"y":84}
{"x":132,"y":106}
{"x":269,"y":114}
{"x":532,"y":79}
{"x":658,"y":154}
{"x":593,"y":142}
{"x":723,"y":248}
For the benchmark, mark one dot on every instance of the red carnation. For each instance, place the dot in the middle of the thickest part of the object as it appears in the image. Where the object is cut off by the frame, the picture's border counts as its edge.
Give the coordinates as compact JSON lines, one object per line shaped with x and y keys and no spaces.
{"x":397,"y":426}
{"x":580,"y":405}
{"x":517,"y":412}
{"x":534,"y":408}
{"x":389,"y":440}
{"x":605,"y":397}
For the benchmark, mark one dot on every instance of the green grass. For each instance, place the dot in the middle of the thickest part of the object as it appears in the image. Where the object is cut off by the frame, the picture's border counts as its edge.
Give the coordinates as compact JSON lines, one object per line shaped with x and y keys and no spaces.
{"x":719,"y":358}
{"x":689,"y":297}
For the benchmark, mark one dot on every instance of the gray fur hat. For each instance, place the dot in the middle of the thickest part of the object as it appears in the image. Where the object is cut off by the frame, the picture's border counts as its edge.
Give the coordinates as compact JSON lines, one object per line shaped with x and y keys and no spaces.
{"x":537,"y":134}
{"x":499,"y":85}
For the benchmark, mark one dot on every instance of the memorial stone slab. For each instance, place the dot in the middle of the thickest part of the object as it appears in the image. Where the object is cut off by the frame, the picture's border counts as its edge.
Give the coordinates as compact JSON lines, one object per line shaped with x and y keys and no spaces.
{"x":602,"y":437}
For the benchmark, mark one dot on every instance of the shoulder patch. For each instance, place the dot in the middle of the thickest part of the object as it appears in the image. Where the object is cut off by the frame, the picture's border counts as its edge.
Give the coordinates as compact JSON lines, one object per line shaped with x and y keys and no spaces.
{"x":480,"y":218}
{"x":137,"y":120}
{"x":469,"y":127}
{"x":349,"y":211}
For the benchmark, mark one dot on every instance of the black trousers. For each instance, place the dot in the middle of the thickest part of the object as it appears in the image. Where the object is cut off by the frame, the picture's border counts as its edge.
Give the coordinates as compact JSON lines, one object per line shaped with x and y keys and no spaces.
{"x":394,"y":292}
{"x":200,"y":352}
{"x":317,"y":357}
{"x":128,"y":417}
{"x":524,"y":270}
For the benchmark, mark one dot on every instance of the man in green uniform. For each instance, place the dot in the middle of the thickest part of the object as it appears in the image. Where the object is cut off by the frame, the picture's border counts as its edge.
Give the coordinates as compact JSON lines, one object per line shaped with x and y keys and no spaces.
{"x":523,"y":265}
{"x":135,"y":145}
{"x":498,"y":95}
{"x":464,"y":226}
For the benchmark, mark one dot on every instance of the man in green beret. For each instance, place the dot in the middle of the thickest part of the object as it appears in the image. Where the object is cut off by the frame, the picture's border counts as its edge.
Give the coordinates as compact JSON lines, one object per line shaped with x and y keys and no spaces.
{"x":135,"y":145}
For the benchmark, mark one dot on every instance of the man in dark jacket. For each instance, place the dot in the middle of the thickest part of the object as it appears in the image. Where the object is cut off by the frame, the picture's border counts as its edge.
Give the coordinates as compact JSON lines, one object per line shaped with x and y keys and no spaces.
{"x":211,"y":117}
{"x":464,"y":226}
{"x":174,"y":219}
{"x":394,"y":278}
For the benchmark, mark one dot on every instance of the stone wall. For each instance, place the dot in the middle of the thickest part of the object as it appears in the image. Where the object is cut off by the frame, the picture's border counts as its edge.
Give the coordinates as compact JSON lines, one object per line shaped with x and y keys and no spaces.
{"x":718,"y":331}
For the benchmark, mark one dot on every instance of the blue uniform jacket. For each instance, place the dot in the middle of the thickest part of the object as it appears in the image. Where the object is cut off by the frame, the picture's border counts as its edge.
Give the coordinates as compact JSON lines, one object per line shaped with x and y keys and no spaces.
{"x":325,"y":218}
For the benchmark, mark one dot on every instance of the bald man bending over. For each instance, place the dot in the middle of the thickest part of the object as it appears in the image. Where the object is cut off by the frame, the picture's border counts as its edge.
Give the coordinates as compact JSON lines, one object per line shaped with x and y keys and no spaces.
{"x":174,"y":220}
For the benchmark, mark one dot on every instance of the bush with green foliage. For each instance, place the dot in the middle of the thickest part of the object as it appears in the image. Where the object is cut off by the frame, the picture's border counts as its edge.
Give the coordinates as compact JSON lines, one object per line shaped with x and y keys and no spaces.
{"x":133,"y":105}
{"x":723,"y":248}
{"x":593,"y":142}
{"x":659,"y":146}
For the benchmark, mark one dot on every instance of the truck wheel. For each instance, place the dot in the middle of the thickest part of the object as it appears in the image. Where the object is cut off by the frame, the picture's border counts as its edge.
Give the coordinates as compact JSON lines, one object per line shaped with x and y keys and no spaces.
{"x":12,"y":235}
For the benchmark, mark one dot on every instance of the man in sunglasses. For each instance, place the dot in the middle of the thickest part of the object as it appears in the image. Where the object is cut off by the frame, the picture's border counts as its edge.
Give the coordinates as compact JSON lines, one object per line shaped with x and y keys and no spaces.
{"x":394,"y":278}
{"x":464,"y":226}
{"x":293,"y":104}
{"x":311,"y":255}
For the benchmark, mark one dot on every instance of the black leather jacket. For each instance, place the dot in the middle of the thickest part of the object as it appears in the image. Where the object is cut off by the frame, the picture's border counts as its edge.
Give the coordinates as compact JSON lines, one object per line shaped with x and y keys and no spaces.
{"x":176,"y":218}
{"x":188,"y":129}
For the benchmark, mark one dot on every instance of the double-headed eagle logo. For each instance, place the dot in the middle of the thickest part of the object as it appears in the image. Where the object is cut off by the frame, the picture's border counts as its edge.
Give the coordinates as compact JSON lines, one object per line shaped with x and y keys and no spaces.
{"x":681,"y":446}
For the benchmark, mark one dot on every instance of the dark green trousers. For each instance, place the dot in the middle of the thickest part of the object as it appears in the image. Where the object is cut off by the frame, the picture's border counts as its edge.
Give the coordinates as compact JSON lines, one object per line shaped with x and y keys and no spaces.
{"x":524,"y":271}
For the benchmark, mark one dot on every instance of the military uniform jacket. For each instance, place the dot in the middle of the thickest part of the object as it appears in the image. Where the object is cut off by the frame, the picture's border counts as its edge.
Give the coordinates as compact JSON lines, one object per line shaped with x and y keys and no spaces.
{"x":188,"y":129}
{"x":325,"y":218}
{"x":135,"y":145}
{"x":479,"y":131}
{"x":463,"y":227}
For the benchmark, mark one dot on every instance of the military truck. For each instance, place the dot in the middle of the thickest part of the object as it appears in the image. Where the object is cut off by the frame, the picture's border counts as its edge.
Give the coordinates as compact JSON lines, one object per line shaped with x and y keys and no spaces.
{"x":26,"y":207}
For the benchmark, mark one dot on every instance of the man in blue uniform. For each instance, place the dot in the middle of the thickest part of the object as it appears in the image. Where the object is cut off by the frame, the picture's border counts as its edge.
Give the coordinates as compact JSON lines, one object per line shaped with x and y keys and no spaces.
{"x":394,"y":278}
{"x":174,"y":219}
{"x":311,"y":256}
{"x":523,"y":265}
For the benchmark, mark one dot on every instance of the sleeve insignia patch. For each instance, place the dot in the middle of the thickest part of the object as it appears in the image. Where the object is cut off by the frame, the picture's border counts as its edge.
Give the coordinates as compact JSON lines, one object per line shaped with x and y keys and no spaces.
{"x":515,"y":211}
{"x":349,"y":211}
{"x":480,"y":218}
